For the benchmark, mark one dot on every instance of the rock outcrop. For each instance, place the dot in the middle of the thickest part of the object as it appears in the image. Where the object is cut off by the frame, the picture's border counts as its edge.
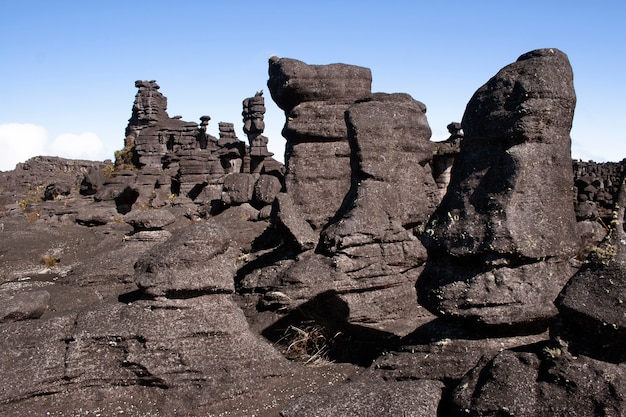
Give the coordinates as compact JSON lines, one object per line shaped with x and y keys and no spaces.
{"x":166,"y":160}
{"x":368,"y":256}
{"x":444,"y":156}
{"x":533,"y":382}
{"x":209,"y":282}
{"x":317,"y":154}
{"x":392,"y":187}
{"x":582,"y":369}
{"x":592,"y":305}
{"x":500,"y":241}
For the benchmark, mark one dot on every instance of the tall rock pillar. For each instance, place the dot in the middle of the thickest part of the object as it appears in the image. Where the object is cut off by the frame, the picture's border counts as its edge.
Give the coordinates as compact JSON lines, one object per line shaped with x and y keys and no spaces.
{"x":317,"y":155}
{"x":500,"y":241}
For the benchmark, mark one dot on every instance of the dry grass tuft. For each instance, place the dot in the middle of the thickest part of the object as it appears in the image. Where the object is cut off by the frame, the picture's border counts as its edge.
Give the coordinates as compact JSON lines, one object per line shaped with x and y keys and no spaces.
{"x":308,"y":342}
{"x":49,"y":260}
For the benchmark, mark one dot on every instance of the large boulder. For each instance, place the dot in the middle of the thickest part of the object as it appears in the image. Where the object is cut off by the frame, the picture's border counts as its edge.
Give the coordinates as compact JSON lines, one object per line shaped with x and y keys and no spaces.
{"x":239,"y":188}
{"x":200,"y":259}
{"x":150,"y":219}
{"x":500,"y":240}
{"x":549,"y":382}
{"x":265,"y":190}
{"x":592,"y":305}
{"x":293,"y":82}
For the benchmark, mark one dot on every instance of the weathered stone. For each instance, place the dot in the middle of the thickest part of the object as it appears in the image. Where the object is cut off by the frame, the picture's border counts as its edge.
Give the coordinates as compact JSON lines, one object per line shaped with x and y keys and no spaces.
{"x":239,"y":187}
{"x":292,"y":82}
{"x":178,"y":343}
{"x":445,"y":351}
{"x":265,"y":212}
{"x":33,"y":362}
{"x":586,"y":210}
{"x":317,"y":178}
{"x":199,"y":259}
{"x":265,"y":189}
{"x":531,"y":384}
{"x":392,"y":186}
{"x":500,"y":240}
{"x":316,"y":121}
{"x":148,"y":236}
{"x":314,"y":98}
{"x":605,"y":178}
{"x":291,"y":221}
{"x":170,"y":157}
{"x":253,"y":111}
{"x":444,"y":156}
{"x":96,"y":216}
{"x":592,"y":305}
{"x":24,"y":306}
{"x":591,"y":233}
{"x":359,"y":399}
{"x":149,"y":219}
{"x":56,"y":190}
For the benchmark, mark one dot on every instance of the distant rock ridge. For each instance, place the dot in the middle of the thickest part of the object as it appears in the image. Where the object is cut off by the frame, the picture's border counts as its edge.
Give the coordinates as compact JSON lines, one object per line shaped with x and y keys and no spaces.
{"x":167,"y":159}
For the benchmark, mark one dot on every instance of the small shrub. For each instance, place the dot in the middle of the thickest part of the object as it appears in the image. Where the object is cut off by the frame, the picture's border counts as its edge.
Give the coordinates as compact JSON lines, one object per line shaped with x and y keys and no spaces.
{"x":25,"y":202}
{"x":32,"y":216}
{"x":127,"y":158}
{"x":308,"y":342}
{"x":109,"y":171}
{"x":49,"y":260}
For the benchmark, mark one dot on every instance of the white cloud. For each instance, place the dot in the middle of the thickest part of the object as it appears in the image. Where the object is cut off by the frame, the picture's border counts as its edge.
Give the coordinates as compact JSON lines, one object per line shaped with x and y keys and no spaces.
{"x":20,"y":141}
{"x":85,"y":145}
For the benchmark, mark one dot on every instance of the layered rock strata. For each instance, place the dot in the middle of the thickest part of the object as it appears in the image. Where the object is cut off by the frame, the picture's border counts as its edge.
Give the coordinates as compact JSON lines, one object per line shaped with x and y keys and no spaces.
{"x":581,"y":370}
{"x":317,"y":155}
{"x":368,"y":257}
{"x":500,"y":241}
{"x":166,"y":159}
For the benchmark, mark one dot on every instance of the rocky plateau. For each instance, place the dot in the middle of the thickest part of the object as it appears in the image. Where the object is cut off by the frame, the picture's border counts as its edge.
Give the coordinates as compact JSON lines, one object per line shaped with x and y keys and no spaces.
{"x":374,"y":273}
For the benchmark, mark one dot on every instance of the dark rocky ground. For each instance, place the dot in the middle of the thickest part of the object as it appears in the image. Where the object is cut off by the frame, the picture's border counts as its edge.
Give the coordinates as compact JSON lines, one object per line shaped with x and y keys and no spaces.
{"x":58,"y":274}
{"x":376,"y":274}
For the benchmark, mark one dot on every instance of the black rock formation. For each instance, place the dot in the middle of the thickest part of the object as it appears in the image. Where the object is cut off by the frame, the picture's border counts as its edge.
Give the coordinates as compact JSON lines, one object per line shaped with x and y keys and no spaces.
{"x":500,"y":240}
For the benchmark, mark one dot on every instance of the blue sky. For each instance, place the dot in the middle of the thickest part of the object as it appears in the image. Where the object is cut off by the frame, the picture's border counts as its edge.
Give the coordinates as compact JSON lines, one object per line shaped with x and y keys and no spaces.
{"x":67,"y":68}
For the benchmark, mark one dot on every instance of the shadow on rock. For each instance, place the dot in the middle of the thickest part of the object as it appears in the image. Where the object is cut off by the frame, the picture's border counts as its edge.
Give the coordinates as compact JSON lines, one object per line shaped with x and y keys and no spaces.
{"x":319,"y":330}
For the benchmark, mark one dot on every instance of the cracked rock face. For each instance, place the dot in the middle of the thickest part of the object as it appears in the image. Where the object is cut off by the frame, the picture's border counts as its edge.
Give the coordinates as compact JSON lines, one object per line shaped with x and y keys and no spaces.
{"x":317,"y":154}
{"x":177,"y":266}
{"x":499,"y":242}
{"x":392,"y":187}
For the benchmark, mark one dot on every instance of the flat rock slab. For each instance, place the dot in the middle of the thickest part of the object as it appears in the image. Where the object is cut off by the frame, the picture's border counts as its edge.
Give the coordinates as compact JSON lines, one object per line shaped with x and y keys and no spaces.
{"x":199,"y":259}
{"x":367,"y":399}
{"x":149,"y":219}
{"x":24,"y":306}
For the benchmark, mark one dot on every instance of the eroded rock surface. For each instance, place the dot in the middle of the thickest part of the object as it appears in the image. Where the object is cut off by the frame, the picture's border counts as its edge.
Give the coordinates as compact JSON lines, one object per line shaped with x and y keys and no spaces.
{"x":317,"y":155}
{"x":209,"y":285}
{"x":500,"y":241}
{"x":368,"y":256}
